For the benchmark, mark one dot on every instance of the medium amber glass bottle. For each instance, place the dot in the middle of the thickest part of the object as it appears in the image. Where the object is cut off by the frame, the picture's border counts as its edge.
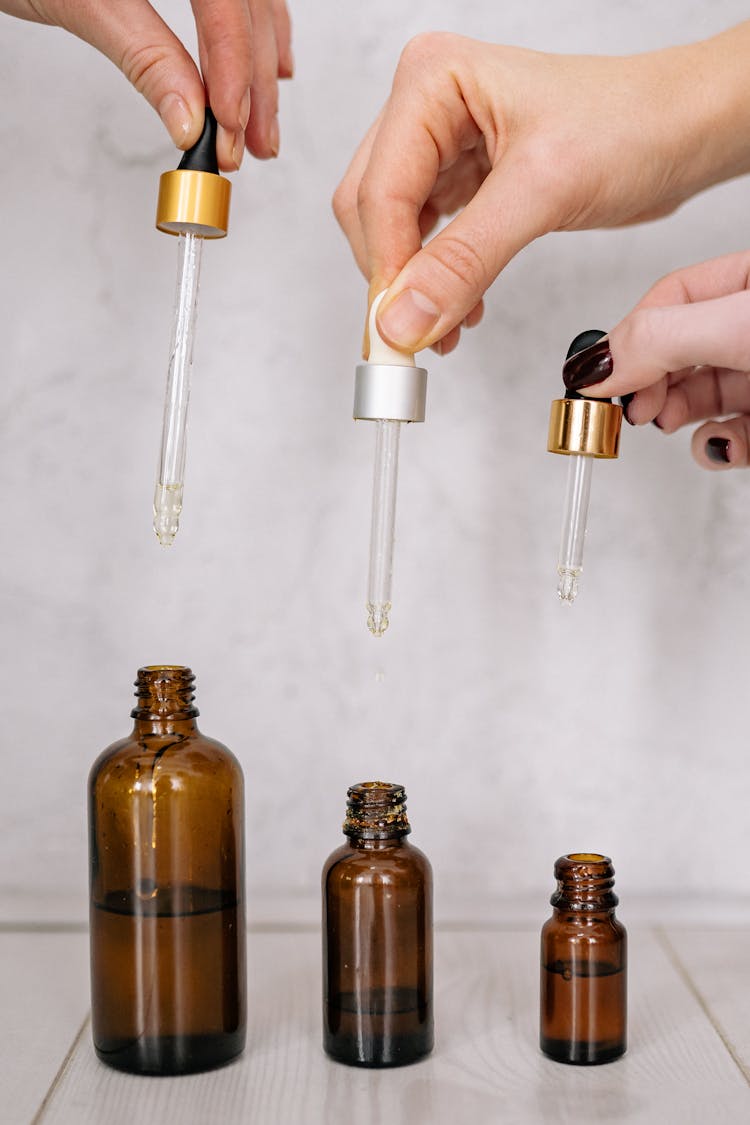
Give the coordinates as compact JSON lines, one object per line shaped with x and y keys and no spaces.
{"x":584,"y":965}
{"x":377,"y":936}
{"x":167,"y":889}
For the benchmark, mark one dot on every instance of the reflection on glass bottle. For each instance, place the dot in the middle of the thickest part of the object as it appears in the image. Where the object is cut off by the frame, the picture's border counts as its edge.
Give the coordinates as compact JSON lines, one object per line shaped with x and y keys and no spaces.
{"x":167,"y":889}
{"x":377,"y":936}
{"x":583,"y":965}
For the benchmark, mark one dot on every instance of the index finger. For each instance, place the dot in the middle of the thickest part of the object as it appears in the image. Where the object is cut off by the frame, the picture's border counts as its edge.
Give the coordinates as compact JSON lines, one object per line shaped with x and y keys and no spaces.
{"x":653,"y":341}
{"x":425,"y":127}
{"x":225,"y":35}
{"x":346,"y":195}
{"x":717,"y":277}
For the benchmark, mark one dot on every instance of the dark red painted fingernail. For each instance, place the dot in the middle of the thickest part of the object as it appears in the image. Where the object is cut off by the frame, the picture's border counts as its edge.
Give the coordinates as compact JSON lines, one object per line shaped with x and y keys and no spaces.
{"x":717,"y":449}
{"x":625,"y":401}
{"x":584,"y":369}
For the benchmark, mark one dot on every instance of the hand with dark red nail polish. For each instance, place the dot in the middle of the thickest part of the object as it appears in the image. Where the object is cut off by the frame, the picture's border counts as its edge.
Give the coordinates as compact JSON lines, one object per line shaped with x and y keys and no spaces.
{"x":680,"y":357}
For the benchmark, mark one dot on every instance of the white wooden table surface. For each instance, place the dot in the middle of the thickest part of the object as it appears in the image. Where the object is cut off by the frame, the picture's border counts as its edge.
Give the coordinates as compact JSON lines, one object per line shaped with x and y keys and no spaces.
{"x":688,"y":1059}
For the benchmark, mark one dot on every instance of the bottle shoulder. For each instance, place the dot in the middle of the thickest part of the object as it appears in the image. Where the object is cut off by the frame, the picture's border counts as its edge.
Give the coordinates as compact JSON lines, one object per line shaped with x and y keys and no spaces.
{"x":583,"y":927}
{"x":180,"y":754}
{"x":376,"y":865}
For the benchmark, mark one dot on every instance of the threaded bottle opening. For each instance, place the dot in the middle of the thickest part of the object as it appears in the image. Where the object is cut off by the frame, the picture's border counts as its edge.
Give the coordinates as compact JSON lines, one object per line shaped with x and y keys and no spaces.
{"x":376,"y":810}
{"x":585,"y":881}
{"x":164,"y":691}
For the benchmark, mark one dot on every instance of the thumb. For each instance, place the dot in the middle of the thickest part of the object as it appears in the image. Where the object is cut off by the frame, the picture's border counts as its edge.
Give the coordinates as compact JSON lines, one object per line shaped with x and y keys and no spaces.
{"x":138,"y":41}
{"x":442,"y":283}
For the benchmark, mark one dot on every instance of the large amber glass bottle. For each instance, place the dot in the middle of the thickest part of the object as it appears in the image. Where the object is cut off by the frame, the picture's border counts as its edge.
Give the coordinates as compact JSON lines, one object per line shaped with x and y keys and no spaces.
{"x":377,"y":936}
{"x":167,"y":889}
{"x":584,"y":964}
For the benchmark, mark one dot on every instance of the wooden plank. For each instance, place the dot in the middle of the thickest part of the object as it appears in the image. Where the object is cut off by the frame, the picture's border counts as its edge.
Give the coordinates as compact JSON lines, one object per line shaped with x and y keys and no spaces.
{"x":486,"y":1067}
{"x":44,"y":991}
{"x":716,"y":962}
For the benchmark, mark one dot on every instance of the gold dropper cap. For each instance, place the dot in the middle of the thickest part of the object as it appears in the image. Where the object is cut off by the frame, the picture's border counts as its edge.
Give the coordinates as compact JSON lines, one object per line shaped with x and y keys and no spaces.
{"x":194,"y":198}
{"x":584,"y":425}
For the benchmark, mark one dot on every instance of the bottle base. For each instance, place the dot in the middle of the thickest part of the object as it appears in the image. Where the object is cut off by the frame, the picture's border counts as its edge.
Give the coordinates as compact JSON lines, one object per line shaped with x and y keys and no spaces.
{"x":171,"y":1054}
{"x":378,"y":1027}
{"x":580,"y":1053}
{"x":399,"y":1050}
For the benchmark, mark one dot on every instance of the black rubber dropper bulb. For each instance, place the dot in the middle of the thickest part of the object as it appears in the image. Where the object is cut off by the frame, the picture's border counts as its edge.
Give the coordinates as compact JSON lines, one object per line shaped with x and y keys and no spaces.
{"x":202,"y":156}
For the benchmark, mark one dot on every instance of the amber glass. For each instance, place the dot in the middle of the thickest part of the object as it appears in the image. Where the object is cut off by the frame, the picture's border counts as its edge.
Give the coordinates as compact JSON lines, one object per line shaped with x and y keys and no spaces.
{"x":167,"y":889}
{"x":377,"y":936}
{"x":584,"y":965}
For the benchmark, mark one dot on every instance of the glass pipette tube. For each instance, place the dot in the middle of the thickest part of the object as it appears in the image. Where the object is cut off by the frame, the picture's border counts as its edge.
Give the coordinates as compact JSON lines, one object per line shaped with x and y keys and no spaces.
{"x":170,"y":481}
{"x":382,"y":528}
{"x":389,"y":389}
{"x":575,"y":517}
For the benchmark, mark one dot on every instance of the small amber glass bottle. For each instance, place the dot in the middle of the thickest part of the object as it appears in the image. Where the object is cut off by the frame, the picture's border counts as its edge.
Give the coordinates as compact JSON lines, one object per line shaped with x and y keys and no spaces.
{"x":167,"y":889}
{"x":584,"y":964}
{"x":377,"y":936}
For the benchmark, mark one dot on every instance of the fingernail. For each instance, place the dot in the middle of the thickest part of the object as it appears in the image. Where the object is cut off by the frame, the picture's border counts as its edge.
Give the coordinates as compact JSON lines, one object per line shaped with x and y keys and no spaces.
{"x":407,"y":320}
{"x":586,"y":368}
{"x":274,"y":139}
{"x":177,"y":118}
{"x":230,"y":145}
{"x":625,"y":401}
{"x":245,"y":109}
{"x":286,"y":64}
{"x":238,"y":148}
{"x":717,"y":450}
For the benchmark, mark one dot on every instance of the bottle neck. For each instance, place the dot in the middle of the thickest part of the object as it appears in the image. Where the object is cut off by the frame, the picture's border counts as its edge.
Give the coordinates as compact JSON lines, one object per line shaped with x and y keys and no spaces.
{"x":376,"y":815}
{"x":585,"y":884}
{"x":360,"y":844}
{"x":165,"y":701}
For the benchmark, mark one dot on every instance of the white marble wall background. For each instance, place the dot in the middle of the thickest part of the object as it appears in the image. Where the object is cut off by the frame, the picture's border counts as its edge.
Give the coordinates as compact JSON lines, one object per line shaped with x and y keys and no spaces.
{"x":520,"y":729}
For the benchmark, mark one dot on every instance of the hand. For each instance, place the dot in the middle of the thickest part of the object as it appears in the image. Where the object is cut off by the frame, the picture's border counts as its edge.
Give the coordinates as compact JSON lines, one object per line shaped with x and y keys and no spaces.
{"x":526,"y":143}
{"x":685,"y":352}
{"x":244,"y":47}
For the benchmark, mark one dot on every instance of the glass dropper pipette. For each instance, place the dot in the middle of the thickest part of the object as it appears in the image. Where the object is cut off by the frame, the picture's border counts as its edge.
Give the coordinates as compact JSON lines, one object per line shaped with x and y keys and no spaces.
{"x":194,"y":205}
{"x":583,"y":429}
{"x":171,"y":475}
{"x":389,"y":389}
{"x":573,"y":533}
{"x":383,"y":525}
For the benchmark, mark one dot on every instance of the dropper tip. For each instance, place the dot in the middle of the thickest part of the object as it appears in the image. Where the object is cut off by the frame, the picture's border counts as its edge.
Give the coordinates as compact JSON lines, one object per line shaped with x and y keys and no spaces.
{"x":567,"y":587}
{"x":167,"y":509}
{"x":377,"y":618}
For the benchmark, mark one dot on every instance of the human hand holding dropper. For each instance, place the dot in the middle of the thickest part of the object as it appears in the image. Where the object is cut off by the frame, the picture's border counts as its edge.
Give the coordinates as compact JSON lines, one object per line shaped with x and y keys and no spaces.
{"x":527,"y":143}
{"x":244,"y":48}
{"x":685,"y":352}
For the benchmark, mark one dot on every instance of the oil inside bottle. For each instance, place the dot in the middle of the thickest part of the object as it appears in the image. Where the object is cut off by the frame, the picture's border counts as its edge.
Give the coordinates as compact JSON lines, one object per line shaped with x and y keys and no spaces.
{"x":595,"y":989}
{"x":145,"y":944}
{"x":380,"y":1027}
